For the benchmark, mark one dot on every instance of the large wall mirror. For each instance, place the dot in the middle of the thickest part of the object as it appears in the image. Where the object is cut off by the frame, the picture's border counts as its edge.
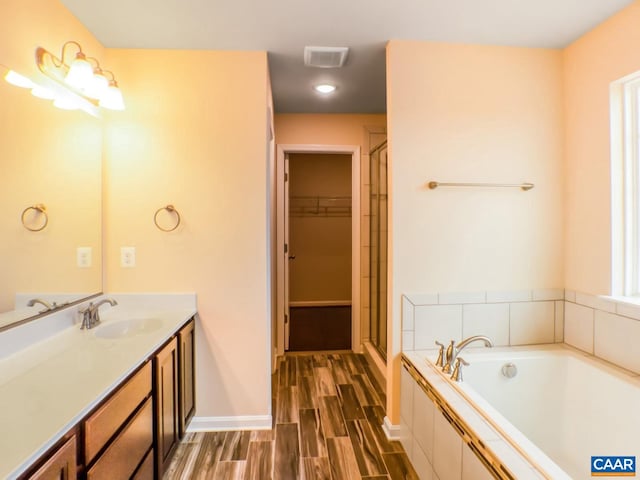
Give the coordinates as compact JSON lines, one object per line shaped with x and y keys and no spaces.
{"x":50,"y":205}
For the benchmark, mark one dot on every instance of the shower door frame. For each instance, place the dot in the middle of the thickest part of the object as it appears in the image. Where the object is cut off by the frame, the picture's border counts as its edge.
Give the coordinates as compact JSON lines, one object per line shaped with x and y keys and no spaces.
{"x":282,"y":151}
{"x":381,"y":316}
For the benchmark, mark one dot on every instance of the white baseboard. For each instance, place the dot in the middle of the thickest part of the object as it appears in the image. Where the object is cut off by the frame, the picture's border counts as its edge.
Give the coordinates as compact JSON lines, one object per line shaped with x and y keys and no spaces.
{"x":221,"y":424}
{"x":393,"y":432}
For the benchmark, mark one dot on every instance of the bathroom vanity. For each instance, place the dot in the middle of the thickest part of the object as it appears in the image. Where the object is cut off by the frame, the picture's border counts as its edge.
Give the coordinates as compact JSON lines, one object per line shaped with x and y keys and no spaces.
{"x":110,"y":402}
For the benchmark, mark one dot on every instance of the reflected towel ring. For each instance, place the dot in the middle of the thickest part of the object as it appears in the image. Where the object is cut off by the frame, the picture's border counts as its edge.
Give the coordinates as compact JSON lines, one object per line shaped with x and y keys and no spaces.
{"x":38,"y":208}
{"x":170,"y":209}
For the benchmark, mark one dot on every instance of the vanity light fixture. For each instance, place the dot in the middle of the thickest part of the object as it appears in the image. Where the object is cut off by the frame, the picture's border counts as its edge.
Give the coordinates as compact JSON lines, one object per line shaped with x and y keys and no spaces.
{"x":83,"y":76}
{"x":80,"y":85}
{"x":325,"y":88}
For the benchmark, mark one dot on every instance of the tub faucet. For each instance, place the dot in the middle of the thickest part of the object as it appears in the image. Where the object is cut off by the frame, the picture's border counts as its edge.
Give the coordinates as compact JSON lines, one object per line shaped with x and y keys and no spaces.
{"x":47,"y":306}
{"x":91,"y":314}
{"x":453,"y":350}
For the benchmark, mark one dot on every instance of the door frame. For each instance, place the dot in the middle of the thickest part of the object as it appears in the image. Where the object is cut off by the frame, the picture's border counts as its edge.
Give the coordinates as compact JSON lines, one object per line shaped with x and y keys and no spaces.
{"x":354,"y":150}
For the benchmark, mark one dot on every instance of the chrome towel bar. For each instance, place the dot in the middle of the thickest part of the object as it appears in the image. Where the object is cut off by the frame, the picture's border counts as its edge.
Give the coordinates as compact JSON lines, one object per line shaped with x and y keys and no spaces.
{"x":524,"y":186}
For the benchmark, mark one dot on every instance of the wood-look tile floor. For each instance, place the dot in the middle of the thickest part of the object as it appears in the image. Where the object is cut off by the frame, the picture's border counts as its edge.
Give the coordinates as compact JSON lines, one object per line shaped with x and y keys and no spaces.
{"x":327,"y":410}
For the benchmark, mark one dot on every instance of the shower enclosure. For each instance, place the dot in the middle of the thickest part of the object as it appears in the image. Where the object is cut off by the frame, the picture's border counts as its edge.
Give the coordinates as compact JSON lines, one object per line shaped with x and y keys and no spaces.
{"x":378,"y":248}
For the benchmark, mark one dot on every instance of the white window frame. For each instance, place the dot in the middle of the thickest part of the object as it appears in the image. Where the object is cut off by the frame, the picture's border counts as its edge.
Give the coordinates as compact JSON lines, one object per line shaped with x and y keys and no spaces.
{"x":625,"y":205}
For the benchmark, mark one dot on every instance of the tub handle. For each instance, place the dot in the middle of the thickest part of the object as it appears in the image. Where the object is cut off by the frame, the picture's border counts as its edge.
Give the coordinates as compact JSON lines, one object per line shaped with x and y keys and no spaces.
{"x":440,"y":360}
{"x":446,"y":368}
{"x":456,"y":376}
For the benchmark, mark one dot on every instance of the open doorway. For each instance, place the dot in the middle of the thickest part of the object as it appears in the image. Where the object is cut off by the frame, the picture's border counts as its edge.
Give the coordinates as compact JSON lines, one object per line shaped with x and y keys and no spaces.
{"x":319,"y":263}
{"x":319,"y":251}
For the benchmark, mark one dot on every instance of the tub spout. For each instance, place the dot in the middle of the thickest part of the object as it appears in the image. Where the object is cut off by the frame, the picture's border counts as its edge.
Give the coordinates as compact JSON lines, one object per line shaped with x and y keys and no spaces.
{"x":453,"y":350}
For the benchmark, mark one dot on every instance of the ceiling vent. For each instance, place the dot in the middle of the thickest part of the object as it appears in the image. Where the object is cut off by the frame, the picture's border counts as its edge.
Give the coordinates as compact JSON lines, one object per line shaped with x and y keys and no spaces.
{"x":325,"y":57}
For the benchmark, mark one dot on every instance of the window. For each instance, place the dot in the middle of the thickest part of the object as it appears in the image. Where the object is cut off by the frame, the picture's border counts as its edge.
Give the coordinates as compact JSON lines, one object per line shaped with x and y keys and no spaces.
{"x":625,"y":143}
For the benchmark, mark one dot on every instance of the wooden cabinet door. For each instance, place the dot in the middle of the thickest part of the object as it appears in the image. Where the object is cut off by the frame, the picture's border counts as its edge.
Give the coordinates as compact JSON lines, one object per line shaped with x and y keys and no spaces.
{"x":186,"y":349}
{"x":166,"y":393}
{"x":61,"y":465}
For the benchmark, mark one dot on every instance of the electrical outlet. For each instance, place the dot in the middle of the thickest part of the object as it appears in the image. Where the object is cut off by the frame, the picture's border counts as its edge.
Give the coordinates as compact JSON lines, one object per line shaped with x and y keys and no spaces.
{"x":83,"y":257}
{"x":128,"y":257}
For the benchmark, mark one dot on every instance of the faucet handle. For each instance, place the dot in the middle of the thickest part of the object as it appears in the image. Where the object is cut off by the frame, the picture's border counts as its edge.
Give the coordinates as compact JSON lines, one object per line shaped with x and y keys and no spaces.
{"x":449,"y":357}
{"x":86,"y":316}
{"x":88,"y":308}
{"x":439,"y":361}
{"x":457,"y":369}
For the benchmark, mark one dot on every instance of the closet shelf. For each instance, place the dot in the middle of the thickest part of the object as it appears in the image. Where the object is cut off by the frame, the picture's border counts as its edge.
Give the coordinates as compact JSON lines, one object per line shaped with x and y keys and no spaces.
{"x":319,"y":206}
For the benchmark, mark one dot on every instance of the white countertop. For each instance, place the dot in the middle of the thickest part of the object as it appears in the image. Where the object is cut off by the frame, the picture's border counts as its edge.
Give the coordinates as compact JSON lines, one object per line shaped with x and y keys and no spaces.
{"x":48,"y":387}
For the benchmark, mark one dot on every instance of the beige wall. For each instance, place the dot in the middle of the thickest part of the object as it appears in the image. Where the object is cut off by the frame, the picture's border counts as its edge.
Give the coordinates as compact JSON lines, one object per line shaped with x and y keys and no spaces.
{"x":195,"y":135}
{"x":341,"y":129}
{"x":47,"y":156}
{"x":320,"y":240}
{"x":600,"y":57}
{"x":469,"y":113}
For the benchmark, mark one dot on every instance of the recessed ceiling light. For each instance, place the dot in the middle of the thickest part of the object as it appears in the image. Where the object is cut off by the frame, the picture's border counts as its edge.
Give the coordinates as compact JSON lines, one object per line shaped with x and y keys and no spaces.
{"x":324,"y":88}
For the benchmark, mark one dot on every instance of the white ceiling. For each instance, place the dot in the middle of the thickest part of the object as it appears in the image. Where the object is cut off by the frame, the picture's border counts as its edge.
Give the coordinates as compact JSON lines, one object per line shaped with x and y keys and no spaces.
{"x":284,"y":27}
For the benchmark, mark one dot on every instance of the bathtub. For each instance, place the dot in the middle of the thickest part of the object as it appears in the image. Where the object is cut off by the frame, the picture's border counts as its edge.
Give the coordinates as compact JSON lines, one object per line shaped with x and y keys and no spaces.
{"x":560,"y":408}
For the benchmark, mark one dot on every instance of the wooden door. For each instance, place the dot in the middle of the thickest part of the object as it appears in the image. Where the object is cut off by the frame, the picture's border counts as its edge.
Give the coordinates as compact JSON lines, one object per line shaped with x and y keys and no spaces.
{"x":186,"y":348}
{"x":166,"y":400}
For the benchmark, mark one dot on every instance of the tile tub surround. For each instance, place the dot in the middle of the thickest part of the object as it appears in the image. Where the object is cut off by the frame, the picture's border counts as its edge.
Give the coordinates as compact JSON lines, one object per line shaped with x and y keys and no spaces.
{"x":509,"y":318}
{"x":48,"y":386}
{"x":446,"y":438}
{"x":606,"y":327}
{"x":603,"y":326}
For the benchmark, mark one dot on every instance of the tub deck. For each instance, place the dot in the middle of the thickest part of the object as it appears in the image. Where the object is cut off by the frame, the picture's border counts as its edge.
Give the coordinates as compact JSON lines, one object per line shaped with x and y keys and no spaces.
{"x":562,"y":406}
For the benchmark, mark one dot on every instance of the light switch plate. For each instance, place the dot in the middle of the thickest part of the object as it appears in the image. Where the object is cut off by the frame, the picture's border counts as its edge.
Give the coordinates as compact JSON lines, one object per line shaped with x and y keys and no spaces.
{"x":83,"y":257}
{"x":127,"y":257}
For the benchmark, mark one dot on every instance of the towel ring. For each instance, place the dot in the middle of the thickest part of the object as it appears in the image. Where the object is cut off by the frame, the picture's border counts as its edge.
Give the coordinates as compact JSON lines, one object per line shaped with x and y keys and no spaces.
{"x":170,"y":209}
{"x":38,"y":208}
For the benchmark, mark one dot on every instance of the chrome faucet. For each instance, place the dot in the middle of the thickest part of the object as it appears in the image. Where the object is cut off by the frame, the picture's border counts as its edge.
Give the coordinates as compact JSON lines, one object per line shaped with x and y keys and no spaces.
{"x":91,"y":314}
{"x":47,"y":306}
{"x":453,"y":350}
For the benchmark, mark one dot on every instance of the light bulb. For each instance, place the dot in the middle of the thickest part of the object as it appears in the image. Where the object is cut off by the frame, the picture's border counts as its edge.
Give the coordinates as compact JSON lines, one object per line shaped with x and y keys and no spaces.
{"x":18,"y":80}
{"x":325,"y":88}
{"x":42,"y":92}
{"x":112,"y":98}
{"x":80,"y":73}
{"x":65,"y":102}
{"x":98,"y":87}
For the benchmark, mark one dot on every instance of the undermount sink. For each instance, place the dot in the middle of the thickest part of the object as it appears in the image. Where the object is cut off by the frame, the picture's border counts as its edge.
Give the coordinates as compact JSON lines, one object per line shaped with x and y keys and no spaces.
{"x":128,"y":328}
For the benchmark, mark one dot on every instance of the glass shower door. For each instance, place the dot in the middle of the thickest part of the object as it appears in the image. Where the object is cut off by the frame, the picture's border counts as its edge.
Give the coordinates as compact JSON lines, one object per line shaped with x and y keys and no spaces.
{"x":378,"y":248}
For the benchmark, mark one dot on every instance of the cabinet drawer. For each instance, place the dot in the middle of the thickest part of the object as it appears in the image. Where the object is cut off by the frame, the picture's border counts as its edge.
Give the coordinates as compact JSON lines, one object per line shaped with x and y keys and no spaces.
{"x":61,"y":465}
{"x":145,"y":472}
{"x":128,"y":449}
{"x":101,"y":426}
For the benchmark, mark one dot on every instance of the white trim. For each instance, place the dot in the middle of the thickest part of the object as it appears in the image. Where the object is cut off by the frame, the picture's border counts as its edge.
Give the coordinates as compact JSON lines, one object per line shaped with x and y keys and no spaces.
{"x":322,"y":303}
{"x":378,"y":365}
{"x":625,"y":186}
{"x":222,"y":424}
{"x":393,"y":432}
{"x":354,"y":151}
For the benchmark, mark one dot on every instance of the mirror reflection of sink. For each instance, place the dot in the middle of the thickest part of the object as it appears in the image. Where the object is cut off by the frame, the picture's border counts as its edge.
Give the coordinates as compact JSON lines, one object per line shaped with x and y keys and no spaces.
{"x":128,"y":328}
